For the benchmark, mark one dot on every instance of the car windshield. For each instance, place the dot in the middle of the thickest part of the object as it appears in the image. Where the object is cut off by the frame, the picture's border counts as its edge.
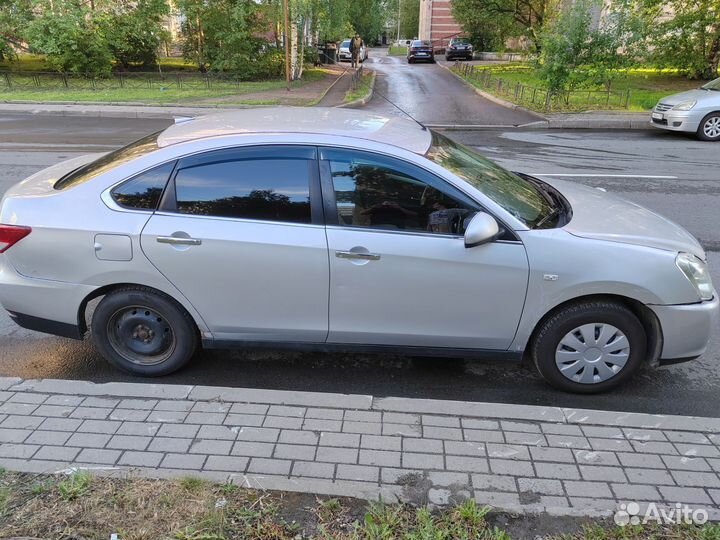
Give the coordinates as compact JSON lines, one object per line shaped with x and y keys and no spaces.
{"x":109,"y":161}
{"x":713,"y":85}
{"x":520,"y":197}
{"x":420,"y":43}
{"x":460,"y":41}
{"x":345,"y":43}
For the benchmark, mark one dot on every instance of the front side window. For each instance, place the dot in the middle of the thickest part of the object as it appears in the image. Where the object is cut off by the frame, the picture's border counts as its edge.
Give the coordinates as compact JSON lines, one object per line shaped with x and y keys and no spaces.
{"x":269,"y":189}
{"x":379,"y":193}
{"x":143,"y":192}
{"x":713,"y":85}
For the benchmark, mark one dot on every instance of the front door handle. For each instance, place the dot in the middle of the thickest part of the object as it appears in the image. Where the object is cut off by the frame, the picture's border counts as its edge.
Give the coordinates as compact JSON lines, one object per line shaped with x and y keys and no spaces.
{"x":355,"y":255}
{"x":178,"y":241}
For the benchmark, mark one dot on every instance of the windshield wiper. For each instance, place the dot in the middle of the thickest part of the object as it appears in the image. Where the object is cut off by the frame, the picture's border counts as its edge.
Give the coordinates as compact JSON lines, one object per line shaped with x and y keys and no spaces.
{"x":554,"y":213}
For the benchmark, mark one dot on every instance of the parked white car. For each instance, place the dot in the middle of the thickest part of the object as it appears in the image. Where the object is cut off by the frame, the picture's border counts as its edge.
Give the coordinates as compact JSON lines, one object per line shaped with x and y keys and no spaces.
{"x":695,"y":111}
{"x":340,"y":230}
{"x":344,"y":54}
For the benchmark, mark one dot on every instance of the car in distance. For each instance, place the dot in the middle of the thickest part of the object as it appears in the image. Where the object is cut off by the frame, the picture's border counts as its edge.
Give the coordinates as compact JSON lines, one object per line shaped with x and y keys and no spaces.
{"x":695,"y":111}
{"x":341,"y":230}
{"x":459,"y":48}
{"x":420,"y":50}
{"x":344,"y":54}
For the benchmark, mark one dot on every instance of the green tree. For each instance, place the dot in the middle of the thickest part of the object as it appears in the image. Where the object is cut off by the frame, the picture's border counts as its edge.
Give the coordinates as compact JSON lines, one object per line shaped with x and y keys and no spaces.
{"x":367,"y":18}
{"x":14,"y":16}
{"x":409,"y":18}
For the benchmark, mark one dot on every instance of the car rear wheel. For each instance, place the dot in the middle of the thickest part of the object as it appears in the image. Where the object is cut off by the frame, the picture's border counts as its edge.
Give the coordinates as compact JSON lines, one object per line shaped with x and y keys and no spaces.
{"x":589,"y":347}
{"x":143,"y":332}
{"x":709,"y":129}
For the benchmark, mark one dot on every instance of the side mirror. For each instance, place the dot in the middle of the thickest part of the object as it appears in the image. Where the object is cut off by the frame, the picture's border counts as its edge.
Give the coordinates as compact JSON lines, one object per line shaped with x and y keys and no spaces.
{"x":482,"y":229}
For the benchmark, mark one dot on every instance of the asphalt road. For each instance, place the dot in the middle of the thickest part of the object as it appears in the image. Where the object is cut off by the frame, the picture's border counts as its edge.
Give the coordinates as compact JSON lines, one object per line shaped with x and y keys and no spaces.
{"x":675,"y":175}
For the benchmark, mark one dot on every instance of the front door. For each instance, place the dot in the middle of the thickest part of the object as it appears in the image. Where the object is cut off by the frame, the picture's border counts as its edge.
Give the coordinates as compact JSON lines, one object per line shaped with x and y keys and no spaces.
{"x":399,"y":270}
{"x":238,"y":235}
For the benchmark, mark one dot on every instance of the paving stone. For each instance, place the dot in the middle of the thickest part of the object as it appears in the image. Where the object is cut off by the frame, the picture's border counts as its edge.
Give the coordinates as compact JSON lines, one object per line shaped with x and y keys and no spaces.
{"x":532,"y":439}
{"x":14,"y":435}
{"x":494,"y":482}
{"x":97,"y":455}
{"x":640,"y":461}
{"x":140,"y":459}
{"x":593,"y":504}
{"x":685,"y":463}
{"x":169,"y":444}
{"x":337,"y":455}
{"x":226,"y":463}
{"x":684,"y":495}
{"x":557,"y":470}
{"x":423,"y":461}
{"x":553,"y":501}
{"x":404,"y":477}
{"x":361,"y":473}
{"x":142,"y":404}
{"x":174,"y":405}
{"x":204,"y":418}
{"x":60,"y":424}
{"x":463,"y":448}
{"x":481,"y":435}
{"x":211,"y":407}
{"x":715,"y":494}
{"x":610,"y":445}
{"x":107,"y":403}
{"x":217,"y":432}
{"x":89,"y":440}
{"x":406,"y":430}
{"x":527,"y":427}
{"x":558,"y":455}
{"x":148,"y":429}
{"x":350,"y":440}
{"x":68,"y":401}
{"x":511,"y":467}
{"x":183,"y":461}
{"x":295,"y":451}
{"x":21,"y":422}
{"x":324,"y":414}
{"x":689,"y":437}
{"x":209,"y":446}
{"x":644,"y":435}
{"x":653,"y":447}
{"x":401,"y":418}
{"x":497,"y":498}
{"x":178,"y":430}
{"x":269,"y":466}
{"x":18,"y":451}
{"x":568,"y":441}
{"x":440,"y":421}
{"x":167,"y":417}
{"x":362,"y":427}
{"x":696,"y":479}
{"x":449,"y":479}
{"x":249,"y":408}
{"x":714,"y":463}
{"x":484,"y":425}
{"x":129,"y":415}
{"x":283,"y":410}
{"x":605,"y":474}
{"x":258,"y":434}
{"x":50,"y":438}
{"x":107,"y":427}
{"x":603,"y":432}
{"x":427,"y":446}
{"x":363,"y":416}
{"x":253,"y":449}
{"x":91,"y":413}
{"x":313,"y":424}
{"x":250,"y":420}
{"x":298,"y":437}
{"x":649,"y":476}
{"x":507,"y":451}
{"x":587,"y":489}
{"x":697,"y":450}
{"x":129,"y":442}
{"x":635,"y":492}
{"x":541,"y":486}
{"x":57,"y":453}
{"x":23,"y":397}
{"x":384,"y":442}
{"x":466,"y":463}
{"x":591,"y":457}
{"x":57,"y":411}
{"x":283,"y":422}
{"x":561,"y":429}
{"x":312,"y":469}
{"x":381,"y":458}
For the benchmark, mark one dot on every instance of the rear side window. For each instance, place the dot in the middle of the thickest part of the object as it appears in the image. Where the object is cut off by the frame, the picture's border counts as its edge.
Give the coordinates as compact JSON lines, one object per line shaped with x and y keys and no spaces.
{"x":143,"y":192}
{"x":109,"y":161}
{"x":262,"y":188}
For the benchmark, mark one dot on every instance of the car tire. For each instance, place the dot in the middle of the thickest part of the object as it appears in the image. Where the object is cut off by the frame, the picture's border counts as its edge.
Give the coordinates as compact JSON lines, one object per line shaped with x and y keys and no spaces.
{"x":709,"y":128}
{"x":143,"y":332}
{"x":590,"y":366}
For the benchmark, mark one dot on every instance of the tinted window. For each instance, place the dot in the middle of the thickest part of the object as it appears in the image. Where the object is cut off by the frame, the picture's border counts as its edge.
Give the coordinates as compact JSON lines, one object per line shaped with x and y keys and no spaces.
{"x":375,"y":192}
{"x":420,"y":43}
{"x":109,"y":161}
{"x":143,"y":192}
{"x":264,"y":189}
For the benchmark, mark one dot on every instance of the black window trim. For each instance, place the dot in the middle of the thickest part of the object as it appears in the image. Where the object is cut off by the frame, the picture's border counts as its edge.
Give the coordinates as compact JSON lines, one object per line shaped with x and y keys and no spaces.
{"x":168,"y":201}
{"x":330,"y":202}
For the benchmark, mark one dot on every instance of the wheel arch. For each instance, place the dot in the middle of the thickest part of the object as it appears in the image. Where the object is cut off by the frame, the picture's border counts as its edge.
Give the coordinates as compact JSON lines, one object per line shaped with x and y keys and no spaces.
{"x":650,"y":322}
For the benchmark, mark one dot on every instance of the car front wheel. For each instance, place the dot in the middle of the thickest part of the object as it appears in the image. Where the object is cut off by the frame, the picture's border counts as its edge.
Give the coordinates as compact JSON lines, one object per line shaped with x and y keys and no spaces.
{"x":589,"y":347}
{"x":709,"y":129}
{"x":143,"y":332}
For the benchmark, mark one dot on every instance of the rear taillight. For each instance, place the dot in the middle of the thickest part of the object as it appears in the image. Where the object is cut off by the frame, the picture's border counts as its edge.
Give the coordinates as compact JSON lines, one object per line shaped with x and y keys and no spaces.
{"x":11,"y":235}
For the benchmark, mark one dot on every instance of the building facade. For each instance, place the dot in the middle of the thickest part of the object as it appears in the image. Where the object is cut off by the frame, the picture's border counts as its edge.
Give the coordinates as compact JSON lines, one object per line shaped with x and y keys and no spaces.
{"x":437,"y":23}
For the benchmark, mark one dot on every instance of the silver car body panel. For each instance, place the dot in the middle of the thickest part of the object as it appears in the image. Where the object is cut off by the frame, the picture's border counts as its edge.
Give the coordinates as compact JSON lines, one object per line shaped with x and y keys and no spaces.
{"x":688,"y":121}
{"x":424,"y":290}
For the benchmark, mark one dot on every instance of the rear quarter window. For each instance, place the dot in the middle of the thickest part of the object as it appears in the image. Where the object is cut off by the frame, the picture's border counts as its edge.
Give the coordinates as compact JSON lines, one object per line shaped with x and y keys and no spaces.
{"x":143,"y":191}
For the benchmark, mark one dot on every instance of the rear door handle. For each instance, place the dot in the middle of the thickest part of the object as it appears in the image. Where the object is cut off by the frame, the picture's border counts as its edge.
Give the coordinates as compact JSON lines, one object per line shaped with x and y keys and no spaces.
{"x":354,"y":255}
{"x":178,"y":241}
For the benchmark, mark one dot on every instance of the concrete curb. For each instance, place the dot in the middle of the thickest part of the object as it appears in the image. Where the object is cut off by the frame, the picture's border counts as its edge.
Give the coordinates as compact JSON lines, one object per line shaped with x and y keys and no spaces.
{"x":361,"y":102}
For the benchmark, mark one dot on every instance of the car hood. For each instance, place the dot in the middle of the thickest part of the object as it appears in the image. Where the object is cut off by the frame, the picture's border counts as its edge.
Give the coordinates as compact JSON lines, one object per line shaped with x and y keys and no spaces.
{"x":603,"y":216}
{"x":690,"y":95}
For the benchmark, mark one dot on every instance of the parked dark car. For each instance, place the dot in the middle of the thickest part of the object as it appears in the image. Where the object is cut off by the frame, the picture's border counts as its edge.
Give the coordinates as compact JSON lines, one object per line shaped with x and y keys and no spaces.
{"x":459,"y":48}
{"x":420,"y":51}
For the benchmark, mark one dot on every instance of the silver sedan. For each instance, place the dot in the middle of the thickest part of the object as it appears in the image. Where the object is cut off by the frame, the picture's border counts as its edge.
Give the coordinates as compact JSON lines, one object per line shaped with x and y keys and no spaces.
{"x":695,"y":111}
{"x":332,"y":229}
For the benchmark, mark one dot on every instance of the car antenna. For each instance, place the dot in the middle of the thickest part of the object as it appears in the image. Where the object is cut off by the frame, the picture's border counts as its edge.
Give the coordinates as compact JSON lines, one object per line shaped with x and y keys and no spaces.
{"x":418,"y":122}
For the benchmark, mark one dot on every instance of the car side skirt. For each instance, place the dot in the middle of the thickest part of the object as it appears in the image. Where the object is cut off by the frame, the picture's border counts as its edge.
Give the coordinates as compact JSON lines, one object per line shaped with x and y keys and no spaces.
{"x":46,"y":326}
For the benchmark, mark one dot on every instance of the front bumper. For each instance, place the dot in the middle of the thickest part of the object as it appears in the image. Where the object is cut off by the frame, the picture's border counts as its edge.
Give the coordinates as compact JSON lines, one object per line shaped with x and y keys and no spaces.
{"x":684,"y":121}
{"x":686,"y":329}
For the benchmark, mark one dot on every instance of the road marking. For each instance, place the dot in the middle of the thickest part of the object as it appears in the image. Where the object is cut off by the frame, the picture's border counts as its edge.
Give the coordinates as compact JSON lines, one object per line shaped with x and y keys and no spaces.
{"x":609,"y":175}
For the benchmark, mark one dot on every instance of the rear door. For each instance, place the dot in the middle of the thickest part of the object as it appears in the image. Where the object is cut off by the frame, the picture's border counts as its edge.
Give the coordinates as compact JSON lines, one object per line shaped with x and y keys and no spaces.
{"x":240,"y":233}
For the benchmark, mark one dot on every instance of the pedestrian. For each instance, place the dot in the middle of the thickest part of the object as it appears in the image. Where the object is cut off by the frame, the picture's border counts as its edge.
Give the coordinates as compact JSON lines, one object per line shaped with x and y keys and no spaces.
{"x":356,"y":44}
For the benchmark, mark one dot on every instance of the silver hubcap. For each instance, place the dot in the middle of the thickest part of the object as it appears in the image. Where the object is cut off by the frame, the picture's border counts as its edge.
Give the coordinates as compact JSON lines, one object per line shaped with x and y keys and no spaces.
{"x":592,"y":353}
{"x":711,"y":128}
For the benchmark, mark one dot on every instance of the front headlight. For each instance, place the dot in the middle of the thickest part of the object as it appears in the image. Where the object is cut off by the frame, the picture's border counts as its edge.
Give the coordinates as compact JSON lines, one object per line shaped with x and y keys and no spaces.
{"x":684,"y":106}
{"x":697,"y":273}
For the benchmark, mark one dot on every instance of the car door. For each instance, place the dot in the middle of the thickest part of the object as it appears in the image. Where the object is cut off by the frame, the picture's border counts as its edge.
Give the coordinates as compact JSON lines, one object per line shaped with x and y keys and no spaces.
{"x":399,"y":270}
{"x":240,"y":234}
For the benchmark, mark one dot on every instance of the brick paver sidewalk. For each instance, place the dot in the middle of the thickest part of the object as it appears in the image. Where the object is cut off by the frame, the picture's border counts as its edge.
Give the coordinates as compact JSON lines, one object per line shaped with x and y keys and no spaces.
{"x":513,"y":457}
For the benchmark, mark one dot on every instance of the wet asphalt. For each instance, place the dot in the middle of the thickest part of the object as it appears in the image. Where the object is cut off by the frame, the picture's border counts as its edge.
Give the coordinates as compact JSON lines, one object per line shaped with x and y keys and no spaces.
{"x":672,"y":174}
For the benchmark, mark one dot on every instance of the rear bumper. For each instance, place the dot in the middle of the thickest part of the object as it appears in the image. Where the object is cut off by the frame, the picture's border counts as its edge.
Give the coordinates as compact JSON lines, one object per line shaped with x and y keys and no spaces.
{"x":686,"y":329}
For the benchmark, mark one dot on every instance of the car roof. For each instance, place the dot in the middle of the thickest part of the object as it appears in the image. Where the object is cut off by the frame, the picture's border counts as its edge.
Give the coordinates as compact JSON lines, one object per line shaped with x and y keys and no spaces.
{"x":397,"y":131}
